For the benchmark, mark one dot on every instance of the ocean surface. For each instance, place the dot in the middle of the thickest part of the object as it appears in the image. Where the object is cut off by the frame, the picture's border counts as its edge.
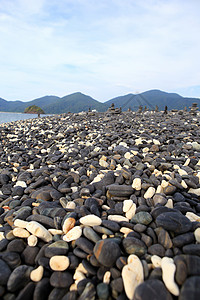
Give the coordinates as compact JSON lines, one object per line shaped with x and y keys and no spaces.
{"x":6,"y":117}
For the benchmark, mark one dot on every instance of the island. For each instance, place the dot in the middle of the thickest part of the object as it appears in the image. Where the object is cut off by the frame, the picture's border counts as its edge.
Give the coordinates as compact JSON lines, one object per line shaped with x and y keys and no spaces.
{"x":34,"y":109}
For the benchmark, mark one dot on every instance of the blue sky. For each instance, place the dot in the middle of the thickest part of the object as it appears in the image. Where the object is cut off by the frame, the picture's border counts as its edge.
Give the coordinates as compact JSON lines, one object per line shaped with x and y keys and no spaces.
{"x":102,"y":48}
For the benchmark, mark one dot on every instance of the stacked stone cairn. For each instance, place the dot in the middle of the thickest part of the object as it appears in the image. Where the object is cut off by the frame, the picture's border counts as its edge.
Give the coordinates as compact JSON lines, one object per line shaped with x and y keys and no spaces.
{"x":98,"y":207}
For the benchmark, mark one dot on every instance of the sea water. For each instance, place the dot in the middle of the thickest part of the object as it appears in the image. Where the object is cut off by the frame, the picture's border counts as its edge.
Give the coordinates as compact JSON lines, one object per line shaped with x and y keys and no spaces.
{"x":6,"y":117}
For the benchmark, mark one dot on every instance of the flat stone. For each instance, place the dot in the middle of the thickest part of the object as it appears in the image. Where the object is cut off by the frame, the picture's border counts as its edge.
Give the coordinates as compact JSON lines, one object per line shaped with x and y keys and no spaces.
{"x":5,"y":272}
{"x":89,"y":292}
{"x":142,"y":217}
{"x":193,"y":249}
{"x":156,"y":249}
{"x":134,"y":246}
{"x":61,"y":280}
{"x":183,"y":239}
{"x":57,"y":248}
{"x":159,"y":199}
{"x":42,"y":289}
{"x":12,"y":259}
{"x":29,"y":254}
{"x":164,"y":239}
{"x":181,"y":269}
{"x":169,"y":190}
{"x":190,"y":289}
{"x":106,"y":252}
{"x":174,"y":221}
{"x":26,"y":292}
{"x":120,"y":190}
{"x":19,"y":278}
{"x":152,"y":289}
{"x":102,"y":291}
{"x":112,"y":225}
{"x":85,"y":245}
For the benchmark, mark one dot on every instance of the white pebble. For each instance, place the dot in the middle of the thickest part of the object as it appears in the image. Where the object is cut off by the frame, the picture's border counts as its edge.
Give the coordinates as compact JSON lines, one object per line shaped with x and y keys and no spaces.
{"x":150,"y":192}
{"x":32,"y":240}
{"x":169,"y":203}
{"x":127,"y":205}
{"x":156,"y":261}
{"x":182,"y":172}
{"x":37,"y":274}
{"x":168,"y":271}
{"x":68,"y":224}
{"x":20,"y":223}
{"x":131,"y":212}
{"x":2,"y":236}
{"x":55,"y":231}
{"x":117,"y":218}
{"x":40,"y":231}
{"x":192,"y":217}
{"x":73,"y":234}
{"x":137,"y":184}
{"x":159,"y":190}
{"x":21,"y":183}
{"x":103,"y":163}
{"x":197,"y":235}
{"x":59,"y":262}
{"x":21,"y":233}
{"x":90,"y":220}
{"x":194,"y":191}
{"x":132,"y":275}
{"x":106,"y":277}
{"x":78,"y":276}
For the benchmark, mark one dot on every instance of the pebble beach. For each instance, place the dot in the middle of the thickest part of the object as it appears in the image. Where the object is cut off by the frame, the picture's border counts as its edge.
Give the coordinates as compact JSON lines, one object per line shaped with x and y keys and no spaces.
{"x":100,"y":206}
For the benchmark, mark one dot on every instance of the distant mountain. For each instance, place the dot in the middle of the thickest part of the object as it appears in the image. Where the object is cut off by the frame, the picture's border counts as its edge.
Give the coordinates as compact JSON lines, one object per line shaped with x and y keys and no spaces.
{"x":152,"y":98}
{"x":77,"y":102}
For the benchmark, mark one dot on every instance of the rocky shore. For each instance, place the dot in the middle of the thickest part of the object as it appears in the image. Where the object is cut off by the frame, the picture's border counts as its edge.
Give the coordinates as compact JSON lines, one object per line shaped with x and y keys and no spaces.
{"x":100,"y":206}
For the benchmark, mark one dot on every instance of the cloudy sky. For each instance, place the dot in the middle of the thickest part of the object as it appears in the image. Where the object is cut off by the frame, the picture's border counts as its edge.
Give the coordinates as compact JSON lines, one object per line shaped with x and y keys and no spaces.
{"x":103,"y":48}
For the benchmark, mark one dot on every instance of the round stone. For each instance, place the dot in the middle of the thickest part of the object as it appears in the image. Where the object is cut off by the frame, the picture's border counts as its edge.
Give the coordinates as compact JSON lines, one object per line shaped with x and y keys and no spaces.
{"x":59,"y":263}
{"x":134,"y":246}
{"x":106,"y":252}
{"x":142,"y":217}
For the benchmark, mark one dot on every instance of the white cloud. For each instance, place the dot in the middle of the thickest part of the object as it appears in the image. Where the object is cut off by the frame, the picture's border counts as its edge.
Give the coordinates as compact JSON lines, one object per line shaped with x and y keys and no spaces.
{"x":101,"y":48}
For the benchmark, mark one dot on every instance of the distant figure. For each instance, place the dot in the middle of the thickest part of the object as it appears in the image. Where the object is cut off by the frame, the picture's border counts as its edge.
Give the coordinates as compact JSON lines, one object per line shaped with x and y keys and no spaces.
{"x":140,"y":109}
{"x":165,"y":111}
{"x":156,"y":108}
{"x":39,"y":115}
